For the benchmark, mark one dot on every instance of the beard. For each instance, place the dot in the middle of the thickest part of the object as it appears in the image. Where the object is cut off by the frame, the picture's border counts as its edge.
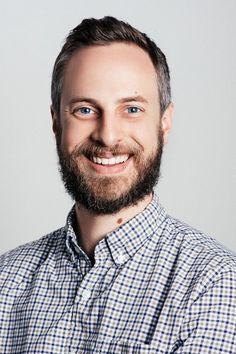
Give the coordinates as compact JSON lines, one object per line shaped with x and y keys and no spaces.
{"x":109,"y":194}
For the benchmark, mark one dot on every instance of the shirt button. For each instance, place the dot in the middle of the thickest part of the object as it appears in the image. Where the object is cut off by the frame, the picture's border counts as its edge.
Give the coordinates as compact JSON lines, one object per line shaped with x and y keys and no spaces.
{"x":121,"y":258}
{"x":86,"y":294}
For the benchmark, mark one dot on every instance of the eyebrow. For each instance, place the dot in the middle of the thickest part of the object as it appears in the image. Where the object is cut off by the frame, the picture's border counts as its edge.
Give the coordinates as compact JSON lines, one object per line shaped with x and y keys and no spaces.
{"x":82,"y":99}
{"x":77,"y":99}
{"x":132,"y":99}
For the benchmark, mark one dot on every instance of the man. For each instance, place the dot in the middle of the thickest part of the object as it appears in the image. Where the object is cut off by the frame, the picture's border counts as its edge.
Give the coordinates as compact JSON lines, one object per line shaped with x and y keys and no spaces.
{"x":122,"y":276}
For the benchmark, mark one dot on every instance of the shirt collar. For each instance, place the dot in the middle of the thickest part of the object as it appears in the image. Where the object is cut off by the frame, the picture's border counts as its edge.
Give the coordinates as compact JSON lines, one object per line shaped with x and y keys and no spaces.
{"x":71,"y":239}
{"x":123,"y":242}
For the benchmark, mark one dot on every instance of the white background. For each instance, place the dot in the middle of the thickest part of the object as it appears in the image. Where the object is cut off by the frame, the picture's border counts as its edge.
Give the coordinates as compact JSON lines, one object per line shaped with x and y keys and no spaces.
{"x":198,"y":171}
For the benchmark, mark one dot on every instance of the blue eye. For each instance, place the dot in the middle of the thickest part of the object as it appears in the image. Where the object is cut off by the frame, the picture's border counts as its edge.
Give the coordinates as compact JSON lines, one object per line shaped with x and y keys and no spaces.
{"x":133,"y":109}
{"x":85,"y":110}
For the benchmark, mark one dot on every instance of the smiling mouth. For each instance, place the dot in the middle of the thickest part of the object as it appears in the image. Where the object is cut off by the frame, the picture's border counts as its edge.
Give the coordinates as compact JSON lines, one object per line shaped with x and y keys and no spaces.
{"x":109,"y":161}
{"x":119,"y":159}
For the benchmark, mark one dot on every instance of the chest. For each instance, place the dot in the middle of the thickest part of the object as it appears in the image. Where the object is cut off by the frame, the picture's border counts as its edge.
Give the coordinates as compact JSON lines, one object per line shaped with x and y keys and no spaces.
{"x":134,"y":308}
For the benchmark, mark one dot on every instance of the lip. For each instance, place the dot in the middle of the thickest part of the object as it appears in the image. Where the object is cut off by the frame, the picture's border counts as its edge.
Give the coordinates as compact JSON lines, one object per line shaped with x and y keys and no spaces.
{"x":109,"y":169}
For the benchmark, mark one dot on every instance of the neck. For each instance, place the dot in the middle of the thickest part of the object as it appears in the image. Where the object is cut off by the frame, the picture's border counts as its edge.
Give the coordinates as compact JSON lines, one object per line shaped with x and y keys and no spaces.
{"x":91,"y":228}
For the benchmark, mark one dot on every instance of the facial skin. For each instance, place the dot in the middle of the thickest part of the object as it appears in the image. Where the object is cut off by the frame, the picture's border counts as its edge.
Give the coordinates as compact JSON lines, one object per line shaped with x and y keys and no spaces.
{"x":110,"y":108}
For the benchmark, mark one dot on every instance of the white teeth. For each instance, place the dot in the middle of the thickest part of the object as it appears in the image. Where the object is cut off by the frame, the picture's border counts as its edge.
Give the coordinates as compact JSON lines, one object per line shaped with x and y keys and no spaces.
{"x":112,"y":161}
{"x":105,"y":161}
{"x":118,"y":159}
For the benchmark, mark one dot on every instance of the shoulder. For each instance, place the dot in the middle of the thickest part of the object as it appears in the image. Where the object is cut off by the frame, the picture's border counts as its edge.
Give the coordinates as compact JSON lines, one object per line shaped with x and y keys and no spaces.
{"x":190,"y":240}
{"x":206,"y":276}
{"x":17,"y":264}
{"x":196,"y":255}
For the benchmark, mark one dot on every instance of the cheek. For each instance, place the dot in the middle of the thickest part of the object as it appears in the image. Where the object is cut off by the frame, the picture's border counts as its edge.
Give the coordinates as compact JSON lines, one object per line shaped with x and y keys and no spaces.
{"x":147,"y":138}
{"x":73,"y":134}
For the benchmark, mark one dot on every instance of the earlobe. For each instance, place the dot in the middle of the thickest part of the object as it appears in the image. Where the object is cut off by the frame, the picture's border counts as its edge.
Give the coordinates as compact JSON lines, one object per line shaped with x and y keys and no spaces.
{"x":166,"y":122}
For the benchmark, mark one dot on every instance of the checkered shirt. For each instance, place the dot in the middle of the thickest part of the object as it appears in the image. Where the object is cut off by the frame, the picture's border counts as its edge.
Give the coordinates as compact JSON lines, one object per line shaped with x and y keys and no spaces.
{"x":157,"y":286}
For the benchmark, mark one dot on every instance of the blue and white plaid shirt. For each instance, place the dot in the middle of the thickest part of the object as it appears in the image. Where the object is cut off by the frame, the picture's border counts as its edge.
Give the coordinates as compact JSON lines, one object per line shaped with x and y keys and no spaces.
{"x":157,"y":286}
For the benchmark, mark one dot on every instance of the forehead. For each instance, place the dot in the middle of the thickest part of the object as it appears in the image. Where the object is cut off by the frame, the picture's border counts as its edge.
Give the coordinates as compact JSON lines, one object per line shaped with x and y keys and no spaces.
{"x":117,"y":68}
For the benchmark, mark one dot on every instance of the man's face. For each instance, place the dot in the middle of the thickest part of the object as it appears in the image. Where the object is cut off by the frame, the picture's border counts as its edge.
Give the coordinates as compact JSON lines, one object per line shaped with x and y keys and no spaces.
{"x":110,"y":134}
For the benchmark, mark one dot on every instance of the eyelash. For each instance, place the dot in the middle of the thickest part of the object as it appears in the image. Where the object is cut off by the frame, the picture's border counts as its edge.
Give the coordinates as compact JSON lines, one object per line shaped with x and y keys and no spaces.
{"x":79,"y":110}
{"x":138,"y":110}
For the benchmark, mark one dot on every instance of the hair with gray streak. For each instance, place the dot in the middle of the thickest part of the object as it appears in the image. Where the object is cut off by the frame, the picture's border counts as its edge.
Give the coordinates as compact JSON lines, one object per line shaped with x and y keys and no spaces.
{"x":103,"y":32}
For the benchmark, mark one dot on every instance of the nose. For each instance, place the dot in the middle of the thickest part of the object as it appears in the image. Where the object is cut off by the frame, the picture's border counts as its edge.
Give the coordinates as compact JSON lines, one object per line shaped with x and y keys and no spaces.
{"x":108,"y":130}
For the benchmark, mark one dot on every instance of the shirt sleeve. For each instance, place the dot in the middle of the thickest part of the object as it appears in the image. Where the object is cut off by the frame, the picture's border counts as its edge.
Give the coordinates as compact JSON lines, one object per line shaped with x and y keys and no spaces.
{"x":210,"y":323}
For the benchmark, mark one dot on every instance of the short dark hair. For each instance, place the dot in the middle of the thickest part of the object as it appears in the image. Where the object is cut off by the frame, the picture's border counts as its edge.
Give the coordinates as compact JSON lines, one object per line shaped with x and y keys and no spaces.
{"x":104,"y":31}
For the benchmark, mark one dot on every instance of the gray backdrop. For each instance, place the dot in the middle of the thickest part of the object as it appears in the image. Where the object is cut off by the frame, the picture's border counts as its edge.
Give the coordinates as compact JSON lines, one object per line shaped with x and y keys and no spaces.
{"x":198,"y":171}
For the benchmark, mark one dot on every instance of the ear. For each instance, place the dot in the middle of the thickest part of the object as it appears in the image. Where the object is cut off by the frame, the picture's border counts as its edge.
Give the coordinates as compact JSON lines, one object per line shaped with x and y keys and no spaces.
{"x":54,"y":120}
{"x":166,"y":122}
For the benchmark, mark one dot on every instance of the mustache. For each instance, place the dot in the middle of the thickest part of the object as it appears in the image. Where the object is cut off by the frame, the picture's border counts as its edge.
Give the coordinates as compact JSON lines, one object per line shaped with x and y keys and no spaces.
{"x":95,"y":149}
